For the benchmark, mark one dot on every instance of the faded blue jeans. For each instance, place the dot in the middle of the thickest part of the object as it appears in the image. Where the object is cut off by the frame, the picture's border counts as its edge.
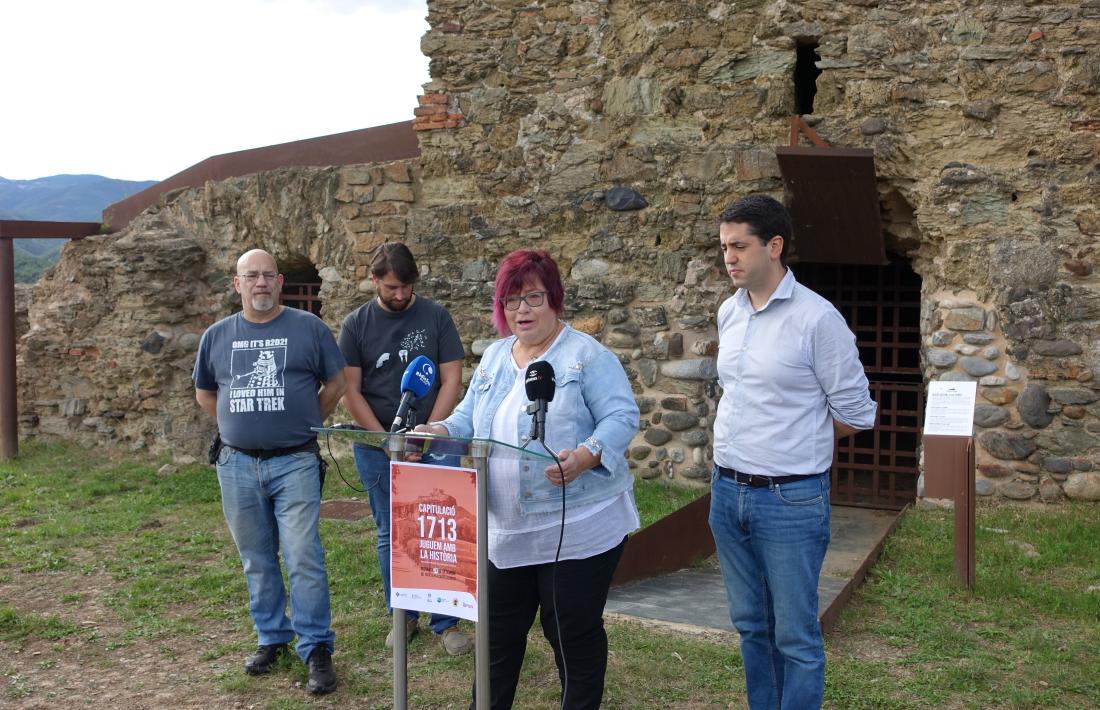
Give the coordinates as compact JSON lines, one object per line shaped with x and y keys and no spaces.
{"x":373,"y":466}
{"x":771,"y":543}
{"x":270,"y":505}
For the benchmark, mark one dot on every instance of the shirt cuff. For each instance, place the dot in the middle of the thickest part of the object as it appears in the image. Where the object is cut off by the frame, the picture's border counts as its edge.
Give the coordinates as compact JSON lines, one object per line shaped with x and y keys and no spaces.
{"x":593,"y":445}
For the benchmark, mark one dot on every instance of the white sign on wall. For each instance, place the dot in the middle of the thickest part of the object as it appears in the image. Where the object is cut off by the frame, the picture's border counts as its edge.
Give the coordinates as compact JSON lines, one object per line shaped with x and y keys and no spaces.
{"x":949,"y":409}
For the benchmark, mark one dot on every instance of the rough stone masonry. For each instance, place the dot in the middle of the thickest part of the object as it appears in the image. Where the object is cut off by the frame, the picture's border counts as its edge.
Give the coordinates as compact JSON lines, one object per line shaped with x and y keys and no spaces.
{"x":983,"y":118}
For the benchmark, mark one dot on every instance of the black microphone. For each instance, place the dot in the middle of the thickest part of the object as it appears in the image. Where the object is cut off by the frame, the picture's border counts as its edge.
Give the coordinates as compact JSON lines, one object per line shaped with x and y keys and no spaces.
{"x":539,"y":383}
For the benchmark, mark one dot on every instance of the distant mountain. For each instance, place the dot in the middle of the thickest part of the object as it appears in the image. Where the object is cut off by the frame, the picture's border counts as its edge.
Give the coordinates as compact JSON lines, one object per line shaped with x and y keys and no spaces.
{"x":64,"y":198}
{"x":58,"y":198}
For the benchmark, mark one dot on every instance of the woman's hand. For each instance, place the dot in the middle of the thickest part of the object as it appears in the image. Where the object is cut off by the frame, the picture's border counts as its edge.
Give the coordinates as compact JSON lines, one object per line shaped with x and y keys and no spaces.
{"x":574,"y":462}
{"x":415,"y":448}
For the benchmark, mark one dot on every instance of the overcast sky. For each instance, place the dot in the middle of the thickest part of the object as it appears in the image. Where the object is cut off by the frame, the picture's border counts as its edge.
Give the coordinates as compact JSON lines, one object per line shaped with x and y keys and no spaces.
{"x":142,"y":89}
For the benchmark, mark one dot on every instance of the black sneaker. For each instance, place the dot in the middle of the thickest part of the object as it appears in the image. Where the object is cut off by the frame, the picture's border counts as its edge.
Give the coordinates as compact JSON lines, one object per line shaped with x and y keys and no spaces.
{"x":261,"y":661}
{"x":322,"y":679}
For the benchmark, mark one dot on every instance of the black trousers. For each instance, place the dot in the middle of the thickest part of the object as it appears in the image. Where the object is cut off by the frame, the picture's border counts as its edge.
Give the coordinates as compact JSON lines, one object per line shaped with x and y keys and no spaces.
{"x":516,"y":594}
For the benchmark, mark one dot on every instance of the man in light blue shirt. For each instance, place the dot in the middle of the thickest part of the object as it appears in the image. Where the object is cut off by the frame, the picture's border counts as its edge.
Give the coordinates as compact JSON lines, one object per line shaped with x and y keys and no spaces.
{"x":792,"y":385}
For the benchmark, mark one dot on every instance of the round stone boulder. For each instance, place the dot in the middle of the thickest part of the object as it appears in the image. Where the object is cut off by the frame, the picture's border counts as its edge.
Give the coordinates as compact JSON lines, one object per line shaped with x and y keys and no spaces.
{"x":1083,"y":486}
{"x":976,"y":366}
{"x":680,"y":421}
{"x":657,"y":437}
{"x":1032,"y":406}
{"x":695,"y":437}
{"x":989,"y":415}
{"x":1007,"y":446}
{"x":1017,"y":490}
{"x":941,"y":358}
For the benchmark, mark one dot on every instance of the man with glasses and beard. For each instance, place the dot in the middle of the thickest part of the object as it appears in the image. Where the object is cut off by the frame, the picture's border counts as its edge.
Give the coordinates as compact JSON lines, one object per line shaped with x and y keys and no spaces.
{"x":379,"y":339}
{"x":268,"y":375}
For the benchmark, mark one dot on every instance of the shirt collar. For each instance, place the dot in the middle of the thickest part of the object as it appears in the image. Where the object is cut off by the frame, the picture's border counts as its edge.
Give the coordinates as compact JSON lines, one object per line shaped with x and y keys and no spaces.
{"x":782,"y":292}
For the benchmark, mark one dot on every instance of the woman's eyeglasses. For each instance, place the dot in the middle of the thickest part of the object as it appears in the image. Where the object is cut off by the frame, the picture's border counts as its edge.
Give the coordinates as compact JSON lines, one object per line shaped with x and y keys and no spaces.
{"x":533,"y":299}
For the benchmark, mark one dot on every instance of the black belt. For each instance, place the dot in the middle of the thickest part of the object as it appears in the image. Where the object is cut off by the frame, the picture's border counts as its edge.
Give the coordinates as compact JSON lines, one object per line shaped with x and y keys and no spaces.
{"x":265,"y":454}
{"x":758,"y":481}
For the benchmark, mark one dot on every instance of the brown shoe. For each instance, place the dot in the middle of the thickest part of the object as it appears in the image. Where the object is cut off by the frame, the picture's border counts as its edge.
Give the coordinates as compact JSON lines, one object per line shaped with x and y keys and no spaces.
{"x":412,"y":626}
{"x":456,"y":641}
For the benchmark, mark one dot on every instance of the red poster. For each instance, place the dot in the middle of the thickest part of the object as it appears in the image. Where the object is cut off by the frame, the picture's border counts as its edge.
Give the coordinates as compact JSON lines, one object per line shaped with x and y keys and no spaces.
{"x":433,"y":539}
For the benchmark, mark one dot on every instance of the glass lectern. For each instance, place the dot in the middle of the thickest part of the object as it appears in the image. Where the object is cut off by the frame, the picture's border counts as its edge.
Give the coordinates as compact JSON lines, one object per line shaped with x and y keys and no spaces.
{"x":454,"y":454}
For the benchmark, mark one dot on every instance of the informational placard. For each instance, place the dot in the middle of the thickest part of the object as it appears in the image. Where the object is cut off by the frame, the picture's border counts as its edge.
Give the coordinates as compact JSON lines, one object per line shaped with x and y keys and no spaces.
{"x":949,"y":409}
{"x":433,"y":539}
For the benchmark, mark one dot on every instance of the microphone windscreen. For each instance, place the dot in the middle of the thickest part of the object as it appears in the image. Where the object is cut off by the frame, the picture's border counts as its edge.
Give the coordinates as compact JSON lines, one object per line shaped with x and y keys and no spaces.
{"x":539,"y":381}
{"x":419,"y":377}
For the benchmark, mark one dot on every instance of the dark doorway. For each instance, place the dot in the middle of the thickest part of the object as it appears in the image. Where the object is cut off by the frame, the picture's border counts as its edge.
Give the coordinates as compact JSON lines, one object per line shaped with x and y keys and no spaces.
{"x":878,"y":468}
{"x":805,"y":77}
{"x":302,"y":288}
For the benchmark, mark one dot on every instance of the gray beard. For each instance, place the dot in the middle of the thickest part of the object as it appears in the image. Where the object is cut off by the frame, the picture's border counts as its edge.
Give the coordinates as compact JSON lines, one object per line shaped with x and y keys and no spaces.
{"x":263,"y":302}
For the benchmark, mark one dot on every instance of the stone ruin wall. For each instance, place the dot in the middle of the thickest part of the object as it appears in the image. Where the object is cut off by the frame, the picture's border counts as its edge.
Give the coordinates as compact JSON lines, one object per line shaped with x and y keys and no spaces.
{"x":116,"y":324}
{"x":983,"y":118}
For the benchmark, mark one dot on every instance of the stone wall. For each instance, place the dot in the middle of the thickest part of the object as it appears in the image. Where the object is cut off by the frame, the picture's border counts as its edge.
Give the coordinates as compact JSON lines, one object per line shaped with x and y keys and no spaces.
{"x":115,"y":325}
{"x":983,"y":118}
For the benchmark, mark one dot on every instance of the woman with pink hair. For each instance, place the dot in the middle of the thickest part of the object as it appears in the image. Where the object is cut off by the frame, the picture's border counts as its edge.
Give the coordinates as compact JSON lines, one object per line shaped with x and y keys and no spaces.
{"x":555,"y":533}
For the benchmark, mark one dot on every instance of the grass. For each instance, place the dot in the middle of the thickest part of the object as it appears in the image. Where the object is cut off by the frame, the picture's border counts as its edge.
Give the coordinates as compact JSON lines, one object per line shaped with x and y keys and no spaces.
{"x":107,"y":569}
{"x":1026,"y":636}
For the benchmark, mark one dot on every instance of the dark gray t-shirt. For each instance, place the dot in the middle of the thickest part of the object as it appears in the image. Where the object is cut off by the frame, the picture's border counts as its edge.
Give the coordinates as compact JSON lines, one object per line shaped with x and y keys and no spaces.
{"x":384,"y":343}
{"x":267,"y":376}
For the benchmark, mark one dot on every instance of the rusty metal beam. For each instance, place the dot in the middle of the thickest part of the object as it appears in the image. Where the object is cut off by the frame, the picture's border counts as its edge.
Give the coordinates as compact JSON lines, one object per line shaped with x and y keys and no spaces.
{"x":20,"y":229}
{"x":35,"y":229}
{"x":800,"y":126}
{"x":9,"y":426}
{"x":395,"y":141}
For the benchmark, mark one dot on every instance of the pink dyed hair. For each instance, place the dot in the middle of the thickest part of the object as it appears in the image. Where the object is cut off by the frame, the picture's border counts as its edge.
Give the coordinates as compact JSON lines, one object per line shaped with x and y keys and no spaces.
{"x":519,"y":269}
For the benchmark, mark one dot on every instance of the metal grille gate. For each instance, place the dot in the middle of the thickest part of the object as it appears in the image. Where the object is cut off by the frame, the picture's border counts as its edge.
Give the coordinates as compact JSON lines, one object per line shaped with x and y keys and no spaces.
{"x":302,"y":295}
{"x":878,"y":468}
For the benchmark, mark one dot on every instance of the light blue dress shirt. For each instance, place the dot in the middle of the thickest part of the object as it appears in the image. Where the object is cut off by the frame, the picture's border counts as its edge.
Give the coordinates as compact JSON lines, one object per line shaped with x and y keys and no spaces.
{"x":786,"y":372}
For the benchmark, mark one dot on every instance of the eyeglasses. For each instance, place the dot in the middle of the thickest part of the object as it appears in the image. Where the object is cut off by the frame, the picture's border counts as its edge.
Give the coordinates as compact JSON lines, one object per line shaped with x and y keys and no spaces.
{"x":253,"y":276}
{"x":533,"y":299}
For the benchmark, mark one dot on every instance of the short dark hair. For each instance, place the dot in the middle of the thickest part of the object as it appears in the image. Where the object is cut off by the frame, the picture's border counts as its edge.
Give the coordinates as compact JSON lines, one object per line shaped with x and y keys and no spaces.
{"x":394,"y":258}
{"x":765,"y":217}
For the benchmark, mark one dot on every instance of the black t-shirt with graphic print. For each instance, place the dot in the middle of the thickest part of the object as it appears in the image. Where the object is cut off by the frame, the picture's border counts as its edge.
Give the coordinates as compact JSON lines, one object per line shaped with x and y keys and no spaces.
{"x":382,"y":344}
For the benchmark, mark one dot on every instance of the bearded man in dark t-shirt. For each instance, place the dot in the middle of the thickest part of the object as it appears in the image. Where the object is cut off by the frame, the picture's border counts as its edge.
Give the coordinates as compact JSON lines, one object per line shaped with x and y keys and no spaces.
{"x":379,"y":339}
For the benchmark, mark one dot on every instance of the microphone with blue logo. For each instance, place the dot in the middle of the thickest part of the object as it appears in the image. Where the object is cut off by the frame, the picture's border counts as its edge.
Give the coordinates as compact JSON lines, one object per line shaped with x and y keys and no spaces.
{"x":415,"y":384}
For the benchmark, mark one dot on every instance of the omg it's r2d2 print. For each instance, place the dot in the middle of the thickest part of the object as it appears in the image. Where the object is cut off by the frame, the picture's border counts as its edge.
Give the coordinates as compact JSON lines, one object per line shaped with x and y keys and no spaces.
{"x":257,"y":367}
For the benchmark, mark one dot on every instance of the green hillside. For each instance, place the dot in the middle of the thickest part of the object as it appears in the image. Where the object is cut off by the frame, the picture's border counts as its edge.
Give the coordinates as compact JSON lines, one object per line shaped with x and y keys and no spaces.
{"x":58,"y":198}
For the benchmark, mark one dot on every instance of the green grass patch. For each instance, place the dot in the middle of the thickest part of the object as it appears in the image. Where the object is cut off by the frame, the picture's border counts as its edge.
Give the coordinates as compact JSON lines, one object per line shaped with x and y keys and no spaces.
{"x":101,"y":558}
{"x":659,"y":497}
{"x":1027,"y":635}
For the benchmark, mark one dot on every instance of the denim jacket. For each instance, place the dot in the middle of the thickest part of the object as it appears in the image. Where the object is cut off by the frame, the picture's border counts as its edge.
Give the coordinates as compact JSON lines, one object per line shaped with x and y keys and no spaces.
{"x":593,"y":406}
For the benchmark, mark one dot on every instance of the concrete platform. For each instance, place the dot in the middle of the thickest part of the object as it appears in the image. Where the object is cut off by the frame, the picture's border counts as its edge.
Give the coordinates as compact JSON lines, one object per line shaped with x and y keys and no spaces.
{"x":695,"y":599}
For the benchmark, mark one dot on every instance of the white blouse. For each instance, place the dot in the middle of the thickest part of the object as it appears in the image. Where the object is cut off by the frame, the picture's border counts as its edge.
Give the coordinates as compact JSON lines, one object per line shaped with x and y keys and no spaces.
{"x":517,"y":540}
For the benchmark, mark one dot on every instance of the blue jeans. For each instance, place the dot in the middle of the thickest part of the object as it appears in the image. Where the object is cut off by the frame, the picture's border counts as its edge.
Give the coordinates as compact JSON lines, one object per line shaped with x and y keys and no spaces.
{"x":771,"y":542}
{"x":373,"y":466}
{"x":272,"y":504}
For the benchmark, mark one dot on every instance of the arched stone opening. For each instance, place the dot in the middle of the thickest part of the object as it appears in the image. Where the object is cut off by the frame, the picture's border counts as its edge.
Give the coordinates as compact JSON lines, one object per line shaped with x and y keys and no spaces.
{"x":301,"y":284}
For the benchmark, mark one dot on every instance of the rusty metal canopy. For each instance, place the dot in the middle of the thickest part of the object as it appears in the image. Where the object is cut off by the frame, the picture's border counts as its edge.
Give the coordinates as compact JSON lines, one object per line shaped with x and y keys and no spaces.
{"x":834,"y":204}
{"x":38,"y":229}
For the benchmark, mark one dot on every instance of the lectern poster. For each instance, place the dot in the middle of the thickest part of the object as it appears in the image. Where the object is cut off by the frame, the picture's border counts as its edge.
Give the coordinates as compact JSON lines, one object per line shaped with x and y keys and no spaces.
{"x":950,"y":408}
{"x":433,"y":539}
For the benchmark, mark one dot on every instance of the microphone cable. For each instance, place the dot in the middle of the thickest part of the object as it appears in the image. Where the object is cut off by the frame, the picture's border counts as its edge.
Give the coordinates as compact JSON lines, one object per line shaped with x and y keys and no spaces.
{"x":339,"y":471}
{"x":554,"y":576}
